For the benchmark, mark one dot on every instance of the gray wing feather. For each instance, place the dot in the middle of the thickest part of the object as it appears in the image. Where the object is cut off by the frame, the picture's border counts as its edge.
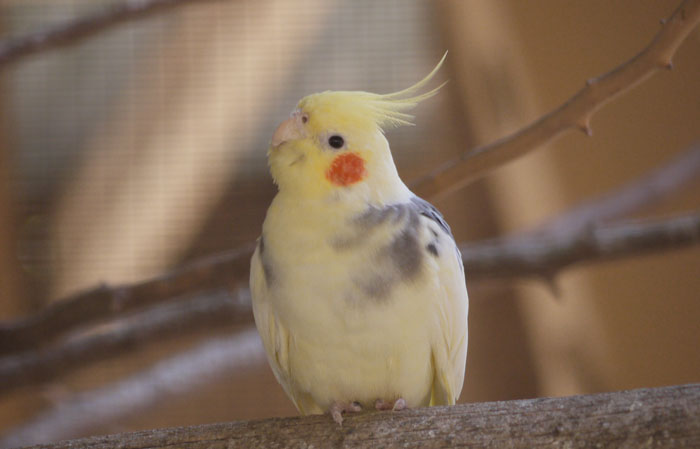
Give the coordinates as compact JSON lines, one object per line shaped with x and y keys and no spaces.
{"x":428,"y":210}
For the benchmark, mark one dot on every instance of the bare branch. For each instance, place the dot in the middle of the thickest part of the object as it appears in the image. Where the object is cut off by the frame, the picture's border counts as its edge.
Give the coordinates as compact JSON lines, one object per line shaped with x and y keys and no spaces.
{"x":663,"y":417}
{"x":504,"y":257}
{"x":13,"y":50}
{"x":231,"y":268}
{"x":537,"y":253}
{"x":532,"y":254}
{"x":179,"y":374}
{"x":211,"y":311}
{"x":106,"y":302}
{"x":545,"y":254}
{"x":574,"y":113}
{"x":645,"y":191}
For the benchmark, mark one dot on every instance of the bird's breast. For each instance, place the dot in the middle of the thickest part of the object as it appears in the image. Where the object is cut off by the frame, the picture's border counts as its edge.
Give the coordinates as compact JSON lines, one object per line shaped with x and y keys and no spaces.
{"x":342,"y":270}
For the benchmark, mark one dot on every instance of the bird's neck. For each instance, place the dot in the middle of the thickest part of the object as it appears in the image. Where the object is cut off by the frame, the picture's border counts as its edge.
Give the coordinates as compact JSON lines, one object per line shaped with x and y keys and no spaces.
{"x":327,"y":213}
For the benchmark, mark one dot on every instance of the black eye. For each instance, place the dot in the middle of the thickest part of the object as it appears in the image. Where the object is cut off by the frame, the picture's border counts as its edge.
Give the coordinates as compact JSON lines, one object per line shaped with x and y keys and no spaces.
{"x":336,"y":141}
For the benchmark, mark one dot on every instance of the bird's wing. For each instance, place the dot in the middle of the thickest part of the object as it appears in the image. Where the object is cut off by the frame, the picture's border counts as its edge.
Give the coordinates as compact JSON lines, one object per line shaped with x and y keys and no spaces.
{"x":431,"y":213}
{"x":275,"y":336}
{"x":449,"y":348}
{"x":449,"y":351}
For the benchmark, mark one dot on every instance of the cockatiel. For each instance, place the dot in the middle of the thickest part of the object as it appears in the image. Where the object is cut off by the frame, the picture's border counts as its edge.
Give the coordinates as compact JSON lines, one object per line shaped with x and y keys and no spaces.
{"x":357,"y":284}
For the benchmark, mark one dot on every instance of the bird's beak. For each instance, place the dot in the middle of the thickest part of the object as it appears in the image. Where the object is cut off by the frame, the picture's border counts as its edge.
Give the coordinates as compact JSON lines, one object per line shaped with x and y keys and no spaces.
{"x":290,"y":129}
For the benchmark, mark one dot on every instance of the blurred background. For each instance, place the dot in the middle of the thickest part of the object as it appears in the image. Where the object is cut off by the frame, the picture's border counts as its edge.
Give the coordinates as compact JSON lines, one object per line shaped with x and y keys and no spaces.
{"x":143,"y":148}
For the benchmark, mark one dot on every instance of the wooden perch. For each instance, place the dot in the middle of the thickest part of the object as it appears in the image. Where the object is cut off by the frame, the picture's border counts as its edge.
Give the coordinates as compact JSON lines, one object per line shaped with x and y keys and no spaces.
{"x":574,"y":113}
{"x":73,"y":31}
{"x":656,"y":417}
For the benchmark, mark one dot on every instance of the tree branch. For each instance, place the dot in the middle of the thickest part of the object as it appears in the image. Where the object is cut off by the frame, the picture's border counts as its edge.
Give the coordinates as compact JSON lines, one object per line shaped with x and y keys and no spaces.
{"x":645,"y":191}
{"x":545,"y":254}
{"x":179,"y":374}
{"x":13,"y":50}
{"x":656,"y":417}
{"x":541,"y":254}
{"x":532,"y":254}
{"x":104,"y":302}
{"x":231,"y":268}
{"x":574,"y":113}
{"x":211,"y":311}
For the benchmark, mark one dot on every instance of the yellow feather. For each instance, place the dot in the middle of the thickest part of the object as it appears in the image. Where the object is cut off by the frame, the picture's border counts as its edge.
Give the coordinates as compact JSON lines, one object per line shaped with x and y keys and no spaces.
{"x":358,"y":109}
{"x":328,"y":339}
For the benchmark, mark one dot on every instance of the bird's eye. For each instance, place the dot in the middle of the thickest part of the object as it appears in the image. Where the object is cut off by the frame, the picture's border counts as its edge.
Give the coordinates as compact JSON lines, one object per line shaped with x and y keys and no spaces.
{"x":304,"y":118}
{"x":336,"y":141}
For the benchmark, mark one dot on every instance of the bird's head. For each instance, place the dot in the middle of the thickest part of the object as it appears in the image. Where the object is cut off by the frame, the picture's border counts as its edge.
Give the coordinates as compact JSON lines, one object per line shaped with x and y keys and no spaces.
{"x":334,"y":142}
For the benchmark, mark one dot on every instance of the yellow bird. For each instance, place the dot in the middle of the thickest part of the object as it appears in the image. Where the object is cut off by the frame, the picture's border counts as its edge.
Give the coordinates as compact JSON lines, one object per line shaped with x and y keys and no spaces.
{"x":358,"y":286}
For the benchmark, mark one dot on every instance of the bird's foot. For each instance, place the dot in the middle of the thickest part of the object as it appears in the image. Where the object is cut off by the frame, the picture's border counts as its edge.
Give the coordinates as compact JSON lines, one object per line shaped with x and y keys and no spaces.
{"x":338,"y":408}
{"x":399,"y":404}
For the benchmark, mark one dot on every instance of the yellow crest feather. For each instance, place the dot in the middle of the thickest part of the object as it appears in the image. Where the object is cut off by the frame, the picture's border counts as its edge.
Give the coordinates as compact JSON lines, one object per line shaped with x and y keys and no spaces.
{"x":388,"y":109}
{"x":385,"y":110}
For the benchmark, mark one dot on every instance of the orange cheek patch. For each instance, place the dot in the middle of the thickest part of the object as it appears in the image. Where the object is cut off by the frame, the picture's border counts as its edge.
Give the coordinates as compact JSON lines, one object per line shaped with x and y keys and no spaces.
{"x":346,"y":169}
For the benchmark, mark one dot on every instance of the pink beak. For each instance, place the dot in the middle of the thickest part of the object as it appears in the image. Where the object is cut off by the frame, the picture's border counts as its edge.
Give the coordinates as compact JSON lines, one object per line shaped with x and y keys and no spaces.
{"x":290,"y":129}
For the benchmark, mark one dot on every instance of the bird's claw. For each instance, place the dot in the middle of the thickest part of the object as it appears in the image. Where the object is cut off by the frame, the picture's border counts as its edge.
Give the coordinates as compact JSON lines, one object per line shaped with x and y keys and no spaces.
{"x":338,"y":408}
{"x":399,"y":404}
